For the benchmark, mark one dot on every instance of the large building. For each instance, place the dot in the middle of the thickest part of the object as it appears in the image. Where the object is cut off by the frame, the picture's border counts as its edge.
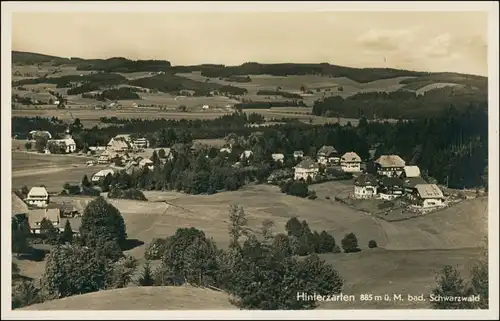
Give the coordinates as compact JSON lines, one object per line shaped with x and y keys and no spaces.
{"x":365,"y":186}
{"x":328,"y":155}
{"x":38,"y":197}
{"x":390,"y":165}
{"x":350,"y":162}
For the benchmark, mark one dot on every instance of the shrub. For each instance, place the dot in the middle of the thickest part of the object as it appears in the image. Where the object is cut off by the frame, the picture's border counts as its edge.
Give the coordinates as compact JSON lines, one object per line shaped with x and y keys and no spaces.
{"x":120,"y":273}
{"x":350,"y":243}
{"x":372,"y":244}
{"x":146,"y":278}
{"x":72,"y":269}
{"x":155,"y":249}
{"x":129,"y":194}
{"x":24,"y":293}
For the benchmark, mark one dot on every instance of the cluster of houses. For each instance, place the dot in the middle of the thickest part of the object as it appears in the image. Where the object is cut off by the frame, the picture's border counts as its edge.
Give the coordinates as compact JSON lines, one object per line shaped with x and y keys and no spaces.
{"x":327,"y":156}
{"x":390,"y":179}
{"x":393,"y":179}
{"x":36,"y":206}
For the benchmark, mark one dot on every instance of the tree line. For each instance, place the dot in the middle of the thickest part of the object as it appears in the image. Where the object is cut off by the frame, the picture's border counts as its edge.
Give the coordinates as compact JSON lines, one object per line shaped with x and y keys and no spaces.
{"x":401,"y":104}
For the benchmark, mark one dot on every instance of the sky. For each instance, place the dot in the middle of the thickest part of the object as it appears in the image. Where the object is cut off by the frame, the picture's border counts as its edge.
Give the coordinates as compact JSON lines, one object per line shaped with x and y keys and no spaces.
{"x":425,"y":41}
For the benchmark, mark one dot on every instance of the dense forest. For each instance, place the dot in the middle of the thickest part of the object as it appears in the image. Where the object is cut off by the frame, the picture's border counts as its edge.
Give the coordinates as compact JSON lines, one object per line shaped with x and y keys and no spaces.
{"x":451,"y":147}
{"x":400,"y":104}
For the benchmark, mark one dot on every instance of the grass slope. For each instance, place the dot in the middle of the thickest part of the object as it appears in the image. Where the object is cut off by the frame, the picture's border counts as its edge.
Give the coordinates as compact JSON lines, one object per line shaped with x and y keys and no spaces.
{"x":142,"y":298}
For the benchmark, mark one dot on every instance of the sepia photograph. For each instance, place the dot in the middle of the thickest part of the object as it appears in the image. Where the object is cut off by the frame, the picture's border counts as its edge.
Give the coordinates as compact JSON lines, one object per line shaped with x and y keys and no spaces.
{"x":225,"y":159}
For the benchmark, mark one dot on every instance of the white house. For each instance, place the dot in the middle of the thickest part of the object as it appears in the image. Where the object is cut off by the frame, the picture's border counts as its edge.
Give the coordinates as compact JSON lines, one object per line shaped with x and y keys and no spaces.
{"x":35,"y":218}
{"x":390,"y":165}
{"x":298,"y":154}
{"x":97,"y":148}
{"x":141,"y":142}
{"x":429,"y":195}
{"x":34,"y":133}
{"x":102,"y":174}
{"x":38,"y":196}
{"x":205,"y":107}
{"x":328,"y":155}
{"x":246,"y":154}
{"x":365,"y":186}
{"x":278,"y":157}
{"x":411,"y":171}
{"x":306,"y":168}
{"x":350,"y":162}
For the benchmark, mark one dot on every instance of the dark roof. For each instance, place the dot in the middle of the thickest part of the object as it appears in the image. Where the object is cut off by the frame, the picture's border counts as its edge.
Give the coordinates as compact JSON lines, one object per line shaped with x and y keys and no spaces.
{"x":308,"y":164}
{"x":327,"y":151}
{"x":413,"y":181}
{"x":392,"y":181}
{"x":18,"y":205}
{"x":365,"y":180}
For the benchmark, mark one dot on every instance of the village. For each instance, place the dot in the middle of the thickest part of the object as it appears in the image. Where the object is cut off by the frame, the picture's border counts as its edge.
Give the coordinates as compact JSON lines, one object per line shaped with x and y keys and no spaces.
{"x":381,"y":180}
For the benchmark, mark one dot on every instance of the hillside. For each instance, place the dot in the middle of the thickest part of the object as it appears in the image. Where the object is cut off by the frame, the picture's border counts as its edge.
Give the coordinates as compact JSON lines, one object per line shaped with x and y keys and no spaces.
{"x":142,"y":298}
{"x":333,"y":91}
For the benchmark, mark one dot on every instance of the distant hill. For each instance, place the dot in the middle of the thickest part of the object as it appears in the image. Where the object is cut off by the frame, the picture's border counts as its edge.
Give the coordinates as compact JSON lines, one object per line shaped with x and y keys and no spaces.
{"x":143,"y":298}
{"x":361,"y":75}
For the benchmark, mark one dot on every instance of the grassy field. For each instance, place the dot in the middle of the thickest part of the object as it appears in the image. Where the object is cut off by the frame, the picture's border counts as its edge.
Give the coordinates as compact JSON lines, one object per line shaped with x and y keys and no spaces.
{"x":29,"y":169}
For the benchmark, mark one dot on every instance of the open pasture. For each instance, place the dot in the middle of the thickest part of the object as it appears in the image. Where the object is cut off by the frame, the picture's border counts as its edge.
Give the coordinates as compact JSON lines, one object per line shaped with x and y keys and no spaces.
{"x":461,"y":226}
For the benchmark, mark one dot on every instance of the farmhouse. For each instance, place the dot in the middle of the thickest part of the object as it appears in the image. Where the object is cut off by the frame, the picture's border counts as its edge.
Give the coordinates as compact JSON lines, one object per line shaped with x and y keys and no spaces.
{"x":389,"y":165}
{"x":411,"y":182}
{"x":298,"y":154}
{"x":350,"y":162}
{"x":391,"y":188}
{"x":278,"y":157}
{"x":306,"y":168}
{"x":328,"y":155}
{"x":246,"y":154}
{"x":141,"y":142}
{"x":102,"y":174}
{"x":411,"y":171}
{"x":38,"y":197}
{"x":428,"y":196}
{"x":35,"y":218}
{"x":205,"y":107}
{"x":365,"y":186}
{"x":121,"y":143}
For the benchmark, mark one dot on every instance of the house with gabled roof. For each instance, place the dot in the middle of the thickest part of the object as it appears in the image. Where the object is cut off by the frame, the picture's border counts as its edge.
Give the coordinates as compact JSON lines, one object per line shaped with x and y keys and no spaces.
{"x":350,"y":162}
{"x":389,"y":165}
{"x":100,"y":175}
{"x":328,"y":155}
{"x":19,"y":207}
{"x":365,"y":186}
{"x":38,"y":196}
{"x":411,"y":182}
{"x":428,"y":196}
{"x":306,"y":168}
{"x":36,"y":216}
